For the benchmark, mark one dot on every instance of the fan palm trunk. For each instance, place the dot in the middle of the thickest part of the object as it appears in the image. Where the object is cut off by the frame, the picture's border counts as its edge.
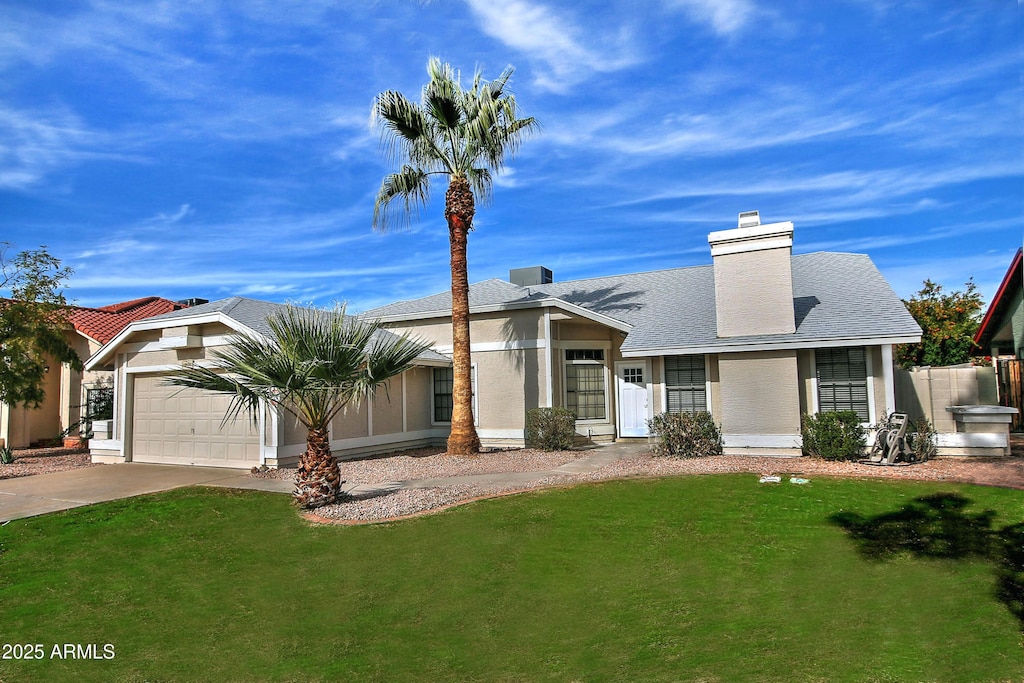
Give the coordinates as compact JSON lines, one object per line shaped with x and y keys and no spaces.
{"x":459,"y":210}
{"x":318,"y":480}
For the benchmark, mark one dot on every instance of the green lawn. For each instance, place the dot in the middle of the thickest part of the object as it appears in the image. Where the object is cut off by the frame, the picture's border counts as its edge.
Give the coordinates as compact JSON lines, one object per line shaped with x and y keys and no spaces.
{"x":697,"y":578}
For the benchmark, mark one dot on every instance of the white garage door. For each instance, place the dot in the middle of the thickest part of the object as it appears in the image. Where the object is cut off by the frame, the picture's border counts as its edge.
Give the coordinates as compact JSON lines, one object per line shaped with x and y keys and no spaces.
{"x":183,"y":427}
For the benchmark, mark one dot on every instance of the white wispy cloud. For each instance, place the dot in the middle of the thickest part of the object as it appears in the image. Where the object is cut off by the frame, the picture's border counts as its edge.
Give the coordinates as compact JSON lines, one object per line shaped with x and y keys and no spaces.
{"x":116,"y":246}
{"x":34,"y":143}
{"x":170,"y":219}
{"x":986,"y":269}
{"x":850,"y":187}
{"x":903,"y":239}
{"x":726,"y":17}
{"x":555,"y":44}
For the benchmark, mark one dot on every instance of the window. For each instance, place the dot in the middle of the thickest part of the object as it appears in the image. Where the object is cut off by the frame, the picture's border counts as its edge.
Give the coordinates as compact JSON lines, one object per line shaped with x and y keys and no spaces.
{"x":584,"y":383}
{"x":99,"y":404}
{"x":685,"y":386}
{"x":444,"y":383}
{"x":842,"y":381}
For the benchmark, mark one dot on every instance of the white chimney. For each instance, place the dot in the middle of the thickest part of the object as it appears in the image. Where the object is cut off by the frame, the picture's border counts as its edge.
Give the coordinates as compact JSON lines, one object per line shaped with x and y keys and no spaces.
{"x":753,"y":278}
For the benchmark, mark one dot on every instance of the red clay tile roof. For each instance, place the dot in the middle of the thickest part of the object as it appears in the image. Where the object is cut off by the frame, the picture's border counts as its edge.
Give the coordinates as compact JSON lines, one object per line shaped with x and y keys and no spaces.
{"x":105,"y":322}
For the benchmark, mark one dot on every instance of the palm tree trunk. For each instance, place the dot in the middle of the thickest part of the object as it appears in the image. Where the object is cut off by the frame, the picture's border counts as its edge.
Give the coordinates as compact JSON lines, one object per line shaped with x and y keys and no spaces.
{"x":318,"y":480}
{"x":459,"y":210}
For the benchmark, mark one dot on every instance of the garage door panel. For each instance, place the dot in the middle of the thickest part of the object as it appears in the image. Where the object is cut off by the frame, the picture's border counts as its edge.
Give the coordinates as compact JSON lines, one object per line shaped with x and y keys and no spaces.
{"x":183,"y":426}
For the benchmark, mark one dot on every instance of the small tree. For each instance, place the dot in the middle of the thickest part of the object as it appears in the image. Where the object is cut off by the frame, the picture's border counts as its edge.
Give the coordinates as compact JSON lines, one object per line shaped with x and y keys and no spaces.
{"x":312,"y":365}
{"x":33,"y":324}
{"x":948,"y":323}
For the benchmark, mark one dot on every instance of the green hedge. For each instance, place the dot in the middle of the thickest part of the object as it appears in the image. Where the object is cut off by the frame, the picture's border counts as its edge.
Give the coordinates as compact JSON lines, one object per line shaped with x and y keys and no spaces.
{"x":833,"y":436}
{"x":550,"y":429}
{"x":685,"y":435}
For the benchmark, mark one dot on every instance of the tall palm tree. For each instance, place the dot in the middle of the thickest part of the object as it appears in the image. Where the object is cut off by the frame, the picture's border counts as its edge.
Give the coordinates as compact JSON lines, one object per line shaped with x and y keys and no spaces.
{"x":312,"y":365}
{"x":464,"y":135}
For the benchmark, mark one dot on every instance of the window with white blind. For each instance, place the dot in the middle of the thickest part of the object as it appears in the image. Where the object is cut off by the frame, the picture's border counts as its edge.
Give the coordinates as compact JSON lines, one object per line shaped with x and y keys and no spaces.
{"x":685,"y":384}
{"x":843,"y":380}
{"x":585,"y":383}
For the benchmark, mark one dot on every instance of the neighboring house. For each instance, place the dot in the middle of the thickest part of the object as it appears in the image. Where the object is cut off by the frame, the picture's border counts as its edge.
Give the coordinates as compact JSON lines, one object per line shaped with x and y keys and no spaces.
{"x":1001,"y":334}
{"x":159,"y":423}
{"x":758,"y":338}
{"x":69,"y":393}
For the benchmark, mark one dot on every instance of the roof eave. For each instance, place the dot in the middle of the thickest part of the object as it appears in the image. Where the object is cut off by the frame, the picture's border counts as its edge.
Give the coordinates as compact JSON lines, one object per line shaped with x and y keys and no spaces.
{"x":986,"y":330}
{"x":103,"y":354}
{"x":548,"y":302}
{"x":774,"y":345}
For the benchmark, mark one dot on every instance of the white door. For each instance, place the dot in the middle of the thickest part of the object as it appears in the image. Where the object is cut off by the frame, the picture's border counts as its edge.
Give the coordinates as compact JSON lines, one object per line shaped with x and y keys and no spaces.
{"x":183,"y":427}
{"x":633,"y":382}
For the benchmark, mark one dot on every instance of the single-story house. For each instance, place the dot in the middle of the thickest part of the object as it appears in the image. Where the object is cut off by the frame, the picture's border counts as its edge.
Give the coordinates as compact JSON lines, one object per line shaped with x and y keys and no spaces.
{"x":156,"y":422}
{"x":70,"y":394}
{"x":758,"y":338}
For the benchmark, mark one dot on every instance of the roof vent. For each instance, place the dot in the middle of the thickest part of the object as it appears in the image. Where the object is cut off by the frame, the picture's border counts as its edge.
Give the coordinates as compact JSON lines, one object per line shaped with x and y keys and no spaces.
{"x":195,"y":301}
{"x":749,"y":219}
{"x":535,"y":275}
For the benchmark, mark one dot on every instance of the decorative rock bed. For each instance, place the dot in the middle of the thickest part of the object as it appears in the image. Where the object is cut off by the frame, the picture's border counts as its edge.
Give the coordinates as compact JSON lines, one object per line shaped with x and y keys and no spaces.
{"x":1006,"y":472}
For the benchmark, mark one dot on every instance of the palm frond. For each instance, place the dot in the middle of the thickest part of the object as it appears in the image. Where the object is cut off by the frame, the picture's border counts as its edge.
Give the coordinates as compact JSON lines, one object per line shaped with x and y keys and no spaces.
{"x":453,"y":131}
{"x":412,"y":186}
{"x":313,"y":364}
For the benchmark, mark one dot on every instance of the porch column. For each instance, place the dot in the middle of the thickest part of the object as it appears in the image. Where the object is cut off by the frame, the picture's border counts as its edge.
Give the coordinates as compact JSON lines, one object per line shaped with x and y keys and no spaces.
{"x":888,"y":379}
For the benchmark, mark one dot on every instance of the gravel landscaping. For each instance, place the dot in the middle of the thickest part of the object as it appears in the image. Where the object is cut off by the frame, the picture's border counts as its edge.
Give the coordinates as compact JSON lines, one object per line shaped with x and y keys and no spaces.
{"x":430,"y":463}
{"x":28,"y":462}
{"x":385,"y":505}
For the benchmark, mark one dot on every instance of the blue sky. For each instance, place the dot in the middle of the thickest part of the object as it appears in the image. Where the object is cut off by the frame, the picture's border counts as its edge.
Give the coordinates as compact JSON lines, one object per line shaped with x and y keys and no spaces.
{"x":205,"y":149}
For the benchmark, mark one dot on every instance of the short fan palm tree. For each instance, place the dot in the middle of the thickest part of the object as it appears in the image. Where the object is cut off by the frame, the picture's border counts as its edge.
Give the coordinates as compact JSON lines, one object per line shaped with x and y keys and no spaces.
{"x":312,"y":365}
{"x":464,"y":135}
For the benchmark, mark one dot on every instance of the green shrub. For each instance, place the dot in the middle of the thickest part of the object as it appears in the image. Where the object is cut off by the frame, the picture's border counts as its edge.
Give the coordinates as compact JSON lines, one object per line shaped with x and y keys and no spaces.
{"x":922,"y":440}
{"x":685,"y":435}
{"x":550,"y":429}
{"x":833,"y":436}
{"x":6,"y":455}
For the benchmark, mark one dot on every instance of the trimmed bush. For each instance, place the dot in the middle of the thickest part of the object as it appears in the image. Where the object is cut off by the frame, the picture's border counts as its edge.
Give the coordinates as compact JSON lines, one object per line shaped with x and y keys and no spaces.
{"x":685,"y":435}
{"x":550,"y":429}
{"x":833,"y":436}
{"x":921,"y":440}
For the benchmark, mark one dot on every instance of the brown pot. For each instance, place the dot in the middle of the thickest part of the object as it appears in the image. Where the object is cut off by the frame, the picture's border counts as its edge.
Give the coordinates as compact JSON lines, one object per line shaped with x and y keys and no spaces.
{"x":76,"y":442}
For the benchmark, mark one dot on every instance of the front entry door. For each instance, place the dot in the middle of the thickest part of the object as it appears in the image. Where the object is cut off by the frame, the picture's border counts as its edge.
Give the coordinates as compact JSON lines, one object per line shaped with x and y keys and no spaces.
{"x":634,"y":397}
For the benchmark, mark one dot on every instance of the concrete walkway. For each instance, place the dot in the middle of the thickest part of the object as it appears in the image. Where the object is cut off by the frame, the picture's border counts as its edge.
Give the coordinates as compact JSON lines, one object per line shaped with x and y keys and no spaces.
{"x":29,"y":496}
{"x":36,"y":495}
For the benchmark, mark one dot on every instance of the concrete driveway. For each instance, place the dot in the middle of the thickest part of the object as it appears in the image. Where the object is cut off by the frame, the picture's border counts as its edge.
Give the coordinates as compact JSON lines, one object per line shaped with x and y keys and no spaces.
{"x":42,"y":493}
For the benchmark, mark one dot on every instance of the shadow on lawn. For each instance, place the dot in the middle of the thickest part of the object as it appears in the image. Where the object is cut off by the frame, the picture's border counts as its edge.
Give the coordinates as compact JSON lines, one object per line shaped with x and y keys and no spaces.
{"x":939,"y":526}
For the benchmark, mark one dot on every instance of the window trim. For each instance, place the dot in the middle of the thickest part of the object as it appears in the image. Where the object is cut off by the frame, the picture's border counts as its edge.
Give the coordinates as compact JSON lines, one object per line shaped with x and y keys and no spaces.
{"x":609,"y":378}
{"x":869,"y":371}
{"x":707,"y":380}
{"x":476,"y":397}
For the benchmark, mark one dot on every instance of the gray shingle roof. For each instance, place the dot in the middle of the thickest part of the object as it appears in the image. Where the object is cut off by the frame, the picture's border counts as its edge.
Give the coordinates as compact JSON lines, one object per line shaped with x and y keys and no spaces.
{"x":835,"y":297}
{"x":253,"y":314}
